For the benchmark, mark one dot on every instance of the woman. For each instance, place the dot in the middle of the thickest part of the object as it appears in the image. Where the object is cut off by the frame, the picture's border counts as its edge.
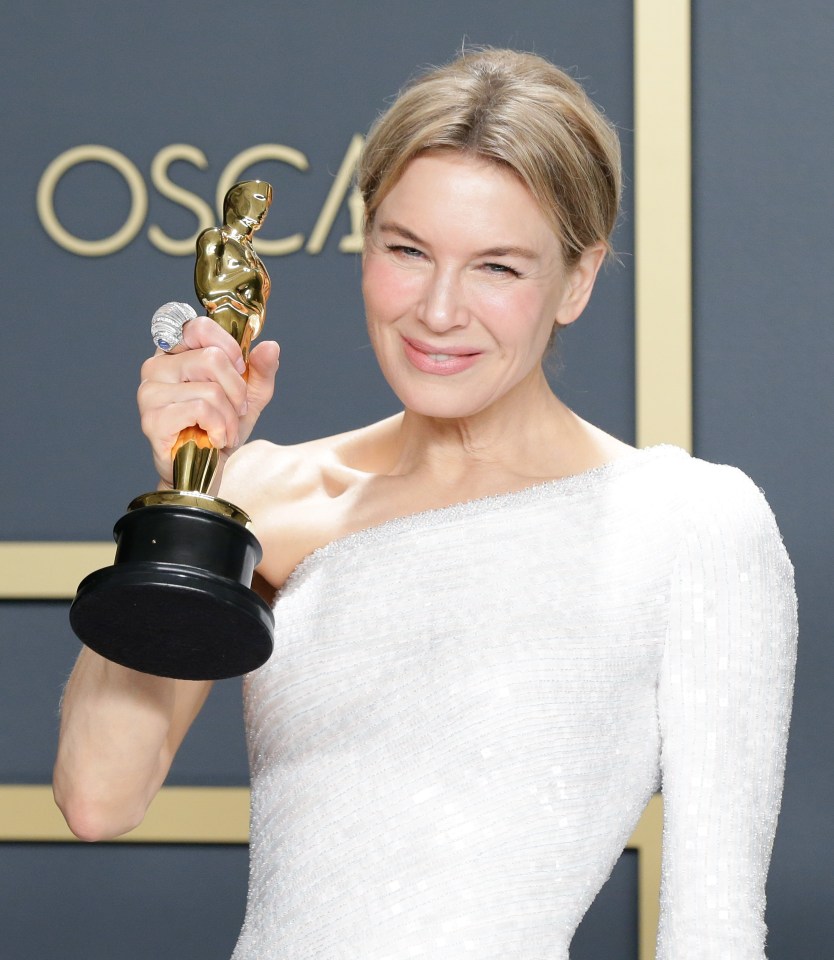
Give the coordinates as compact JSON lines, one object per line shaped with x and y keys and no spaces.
{"x":498,"y":629}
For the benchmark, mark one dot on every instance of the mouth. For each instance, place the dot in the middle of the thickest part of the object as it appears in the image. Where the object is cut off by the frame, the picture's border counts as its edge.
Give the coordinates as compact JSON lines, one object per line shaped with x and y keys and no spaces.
{"x":440,"y":354}
{"x":427,"y":358}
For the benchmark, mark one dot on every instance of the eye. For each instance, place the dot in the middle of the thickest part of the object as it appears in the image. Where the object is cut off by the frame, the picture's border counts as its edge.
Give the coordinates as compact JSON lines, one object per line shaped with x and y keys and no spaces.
{"x":404,"y":250}
{"x":501,"y":269}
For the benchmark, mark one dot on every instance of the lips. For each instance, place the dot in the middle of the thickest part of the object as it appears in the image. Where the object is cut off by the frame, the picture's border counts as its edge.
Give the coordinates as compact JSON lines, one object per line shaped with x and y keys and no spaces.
{"x":444,"y":362}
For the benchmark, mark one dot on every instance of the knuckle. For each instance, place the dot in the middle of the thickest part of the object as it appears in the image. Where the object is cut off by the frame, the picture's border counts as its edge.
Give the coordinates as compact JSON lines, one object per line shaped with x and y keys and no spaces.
{"x":215,"y":394}
{"x":206,"y":413}
{"x":214,"y":355}
{"x":203,"y":409}
{"x":147,"y":423}
{"x":146,"y":371}
{"x":145,"y":391}
{"x":204,"y":327}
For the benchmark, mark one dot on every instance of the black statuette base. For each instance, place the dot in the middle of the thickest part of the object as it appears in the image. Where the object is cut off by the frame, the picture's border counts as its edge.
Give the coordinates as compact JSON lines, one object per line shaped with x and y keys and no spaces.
{"x":177,"y":601}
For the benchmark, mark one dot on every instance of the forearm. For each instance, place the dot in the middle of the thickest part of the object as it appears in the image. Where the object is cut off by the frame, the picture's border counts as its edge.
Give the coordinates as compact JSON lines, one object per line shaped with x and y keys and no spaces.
{"x":119,"y":732}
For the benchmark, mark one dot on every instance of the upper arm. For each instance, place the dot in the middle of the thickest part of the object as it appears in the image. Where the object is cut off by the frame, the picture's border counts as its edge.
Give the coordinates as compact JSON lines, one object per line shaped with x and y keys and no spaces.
{"x":724,"y":705}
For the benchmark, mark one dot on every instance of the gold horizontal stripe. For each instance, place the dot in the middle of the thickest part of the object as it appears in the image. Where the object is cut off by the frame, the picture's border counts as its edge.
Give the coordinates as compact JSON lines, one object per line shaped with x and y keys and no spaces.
{"x":209,"y":815}
{"x":177,"y":815}
{"x":48,"y":569}
{"x":193,"y":815}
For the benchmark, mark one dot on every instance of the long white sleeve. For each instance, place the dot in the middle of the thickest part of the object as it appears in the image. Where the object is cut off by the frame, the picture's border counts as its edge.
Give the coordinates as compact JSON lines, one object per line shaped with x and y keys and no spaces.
{"x":725,"y":696}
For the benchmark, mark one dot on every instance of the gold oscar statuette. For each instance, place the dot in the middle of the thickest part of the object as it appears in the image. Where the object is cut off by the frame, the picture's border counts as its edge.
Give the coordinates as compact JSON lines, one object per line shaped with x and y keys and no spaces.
{"x":177,"y":601}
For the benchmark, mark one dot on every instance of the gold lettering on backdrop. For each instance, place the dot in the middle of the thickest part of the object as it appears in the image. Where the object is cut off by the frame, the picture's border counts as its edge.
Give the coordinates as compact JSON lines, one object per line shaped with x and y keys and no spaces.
{"x":236,"y":166}
{"x":185,"y":198}
{"x":89,"y":153}
{"x":352,"y":243}
{"x":340,"y":192}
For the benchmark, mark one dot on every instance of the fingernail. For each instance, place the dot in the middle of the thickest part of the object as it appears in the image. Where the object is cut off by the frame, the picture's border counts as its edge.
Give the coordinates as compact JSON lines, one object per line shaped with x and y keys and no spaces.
{"x":240,"y":365}
{"x":243,"y":408}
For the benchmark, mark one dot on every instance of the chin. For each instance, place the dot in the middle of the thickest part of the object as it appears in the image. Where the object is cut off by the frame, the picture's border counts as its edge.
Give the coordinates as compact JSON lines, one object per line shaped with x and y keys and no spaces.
{"x":441,"y":404}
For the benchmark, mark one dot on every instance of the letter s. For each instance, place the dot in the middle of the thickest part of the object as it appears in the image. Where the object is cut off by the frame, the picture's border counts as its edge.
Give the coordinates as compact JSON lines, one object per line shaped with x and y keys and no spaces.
{"x":185,"y":198}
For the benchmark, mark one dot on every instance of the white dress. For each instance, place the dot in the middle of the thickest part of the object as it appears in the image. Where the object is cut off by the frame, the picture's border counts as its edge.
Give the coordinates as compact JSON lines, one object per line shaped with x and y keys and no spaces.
{"x":468,"y":708}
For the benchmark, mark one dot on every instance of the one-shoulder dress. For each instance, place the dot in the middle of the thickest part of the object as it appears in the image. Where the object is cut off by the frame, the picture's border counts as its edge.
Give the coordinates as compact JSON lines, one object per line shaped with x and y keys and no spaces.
{"x":468,"y":708}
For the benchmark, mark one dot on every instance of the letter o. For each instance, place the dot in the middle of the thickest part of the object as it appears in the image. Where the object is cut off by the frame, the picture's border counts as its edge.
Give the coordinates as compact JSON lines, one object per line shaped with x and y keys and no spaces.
{"x":46,"y":195}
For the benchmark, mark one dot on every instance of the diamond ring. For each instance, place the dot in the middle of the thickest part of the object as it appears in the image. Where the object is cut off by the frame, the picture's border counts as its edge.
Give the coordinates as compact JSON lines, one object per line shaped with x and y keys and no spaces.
{"x":167,"y":324}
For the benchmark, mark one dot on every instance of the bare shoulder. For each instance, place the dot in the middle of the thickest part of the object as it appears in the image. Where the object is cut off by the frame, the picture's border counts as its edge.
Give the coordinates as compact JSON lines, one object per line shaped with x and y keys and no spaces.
{"x":262,"y":475}
{"x":298,"y":495}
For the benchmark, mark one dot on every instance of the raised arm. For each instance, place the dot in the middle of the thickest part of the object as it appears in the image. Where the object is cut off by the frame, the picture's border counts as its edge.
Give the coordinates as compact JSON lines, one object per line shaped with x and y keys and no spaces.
{"x":725,"y":700}
{"x":121,"y":729}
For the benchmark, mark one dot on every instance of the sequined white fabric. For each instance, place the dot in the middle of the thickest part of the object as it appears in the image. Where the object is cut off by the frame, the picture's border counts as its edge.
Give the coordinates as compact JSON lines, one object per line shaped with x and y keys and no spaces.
{"x":467,"y":710}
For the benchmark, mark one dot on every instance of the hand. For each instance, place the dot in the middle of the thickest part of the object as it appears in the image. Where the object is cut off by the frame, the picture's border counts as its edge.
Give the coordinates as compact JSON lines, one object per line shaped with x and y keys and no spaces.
{"x":200,"y":383}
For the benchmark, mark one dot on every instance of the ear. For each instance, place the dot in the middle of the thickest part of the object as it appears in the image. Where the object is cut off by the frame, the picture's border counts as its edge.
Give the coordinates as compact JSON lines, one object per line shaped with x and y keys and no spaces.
{"x":580,"y":284}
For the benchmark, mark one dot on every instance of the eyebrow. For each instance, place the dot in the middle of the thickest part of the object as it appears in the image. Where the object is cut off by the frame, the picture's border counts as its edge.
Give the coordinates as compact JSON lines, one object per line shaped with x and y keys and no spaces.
{"x":507,"y":250}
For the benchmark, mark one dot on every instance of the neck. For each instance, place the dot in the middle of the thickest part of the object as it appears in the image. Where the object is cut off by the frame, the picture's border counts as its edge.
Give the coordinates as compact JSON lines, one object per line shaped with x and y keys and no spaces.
{"x":529,"y":434}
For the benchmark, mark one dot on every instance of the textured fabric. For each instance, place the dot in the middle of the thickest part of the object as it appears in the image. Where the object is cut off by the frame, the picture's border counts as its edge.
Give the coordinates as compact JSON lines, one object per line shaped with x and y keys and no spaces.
{"x":467,"y":710}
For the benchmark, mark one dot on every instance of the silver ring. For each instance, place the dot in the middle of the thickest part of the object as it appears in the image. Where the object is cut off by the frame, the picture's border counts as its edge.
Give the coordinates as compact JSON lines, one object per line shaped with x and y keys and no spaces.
{"x":167,"y":324}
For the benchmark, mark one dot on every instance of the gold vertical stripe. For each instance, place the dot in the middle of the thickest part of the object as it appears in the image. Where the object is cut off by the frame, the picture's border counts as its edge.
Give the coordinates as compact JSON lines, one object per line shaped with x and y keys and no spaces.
{"x":647,"y":840}
{"x":663,"y":299}
{"x":663,"y":221}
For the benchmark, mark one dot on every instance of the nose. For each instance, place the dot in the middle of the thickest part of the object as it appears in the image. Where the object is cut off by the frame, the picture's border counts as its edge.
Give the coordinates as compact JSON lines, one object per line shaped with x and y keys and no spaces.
{"x":442,"y":304}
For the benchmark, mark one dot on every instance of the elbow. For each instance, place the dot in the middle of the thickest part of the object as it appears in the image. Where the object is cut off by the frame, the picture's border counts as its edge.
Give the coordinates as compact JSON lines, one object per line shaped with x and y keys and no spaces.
{"x":93,"y":819}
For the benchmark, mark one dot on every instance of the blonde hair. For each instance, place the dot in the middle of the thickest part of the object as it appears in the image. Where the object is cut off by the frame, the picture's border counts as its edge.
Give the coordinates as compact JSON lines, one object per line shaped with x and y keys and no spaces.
{"x":518,"y":110}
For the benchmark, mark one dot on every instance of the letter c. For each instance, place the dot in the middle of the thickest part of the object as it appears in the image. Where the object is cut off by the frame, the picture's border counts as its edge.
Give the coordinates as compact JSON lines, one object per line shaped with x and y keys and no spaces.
{"x":46,"y":196}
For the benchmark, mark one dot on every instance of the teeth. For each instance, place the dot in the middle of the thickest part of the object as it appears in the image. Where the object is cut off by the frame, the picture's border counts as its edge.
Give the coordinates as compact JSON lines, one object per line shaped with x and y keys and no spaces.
{"x":441,"y":356}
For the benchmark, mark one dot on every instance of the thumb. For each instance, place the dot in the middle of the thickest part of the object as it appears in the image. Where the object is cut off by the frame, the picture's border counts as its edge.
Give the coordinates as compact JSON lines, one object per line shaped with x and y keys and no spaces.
{"x":263,"y":365}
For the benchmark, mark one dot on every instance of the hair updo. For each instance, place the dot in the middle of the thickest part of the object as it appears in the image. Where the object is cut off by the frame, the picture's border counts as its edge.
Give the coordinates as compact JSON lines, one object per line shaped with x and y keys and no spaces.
{"x":520,"y":111}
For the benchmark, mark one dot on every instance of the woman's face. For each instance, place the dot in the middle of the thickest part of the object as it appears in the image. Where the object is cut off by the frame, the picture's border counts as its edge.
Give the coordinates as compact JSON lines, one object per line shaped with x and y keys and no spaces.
{"x":463,"y":282}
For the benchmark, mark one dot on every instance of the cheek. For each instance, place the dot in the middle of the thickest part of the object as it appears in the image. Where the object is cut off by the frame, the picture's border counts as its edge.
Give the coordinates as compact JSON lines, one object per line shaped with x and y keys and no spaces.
{"x":387,"y":289}
{"x":520,"y":318}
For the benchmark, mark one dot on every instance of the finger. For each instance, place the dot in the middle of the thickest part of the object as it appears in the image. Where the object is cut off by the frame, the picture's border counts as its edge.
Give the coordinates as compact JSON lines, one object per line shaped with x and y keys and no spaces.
{"x":263,"y":365}
{"x":163,"y":425}
{"x":204,"y":332}
{"x":209,"y":364}
{"x":157,"y":398}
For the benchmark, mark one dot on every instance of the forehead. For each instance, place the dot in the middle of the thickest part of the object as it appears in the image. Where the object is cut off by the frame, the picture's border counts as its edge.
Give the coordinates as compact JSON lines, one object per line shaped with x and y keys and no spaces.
{"x":461,"y":194}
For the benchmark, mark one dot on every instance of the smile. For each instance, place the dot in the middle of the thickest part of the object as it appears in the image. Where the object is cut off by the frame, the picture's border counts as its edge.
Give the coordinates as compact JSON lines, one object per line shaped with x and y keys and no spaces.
{"x":427,"y":359}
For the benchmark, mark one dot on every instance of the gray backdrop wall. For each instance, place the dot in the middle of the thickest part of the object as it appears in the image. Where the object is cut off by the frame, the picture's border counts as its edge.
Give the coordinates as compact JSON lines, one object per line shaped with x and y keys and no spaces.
{"x":309,"y":77}
{"x":764,"y":286}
